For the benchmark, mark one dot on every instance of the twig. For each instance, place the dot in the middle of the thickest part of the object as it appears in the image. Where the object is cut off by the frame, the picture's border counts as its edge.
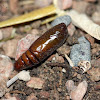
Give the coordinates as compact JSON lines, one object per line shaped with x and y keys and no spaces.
{"x":18,"y":92}
{"x":69,"y":60}
{"x":61,"y":76}
{"x":56,"y":65}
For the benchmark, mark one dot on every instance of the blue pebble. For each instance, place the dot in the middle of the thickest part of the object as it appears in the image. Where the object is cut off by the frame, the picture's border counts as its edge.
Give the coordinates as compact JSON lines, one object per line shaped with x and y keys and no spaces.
{"x":80,"y":51}
{"x":62,"y":19}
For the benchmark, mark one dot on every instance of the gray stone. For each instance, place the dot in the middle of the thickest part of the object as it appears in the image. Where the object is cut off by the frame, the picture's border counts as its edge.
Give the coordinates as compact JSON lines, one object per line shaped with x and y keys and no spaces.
{"x":80,"y":51}
{"x":62,"y":19}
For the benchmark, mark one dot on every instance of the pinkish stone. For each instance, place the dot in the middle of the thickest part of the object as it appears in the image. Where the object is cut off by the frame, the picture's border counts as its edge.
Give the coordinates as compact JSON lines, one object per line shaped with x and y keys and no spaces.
{"x":42,"y":3}
{"x":32,"y":97}
{"x":44,"y":94}
{"x":12,"y":98}
{"x":70,"y":85}
{"x":79,"y":92}
{"x":9,"y":47}
{"x":35,"y":82}
{"x":71,"y":29}
{"x":64,"y":4}
{"x":24,"y":44}
{"x":90,"y":0}
{"x":6,"y":66}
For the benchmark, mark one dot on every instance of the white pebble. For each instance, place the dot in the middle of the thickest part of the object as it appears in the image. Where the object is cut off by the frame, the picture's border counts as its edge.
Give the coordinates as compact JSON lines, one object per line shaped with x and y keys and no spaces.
{"x":24,"y":75}
{"x":63,"y":70}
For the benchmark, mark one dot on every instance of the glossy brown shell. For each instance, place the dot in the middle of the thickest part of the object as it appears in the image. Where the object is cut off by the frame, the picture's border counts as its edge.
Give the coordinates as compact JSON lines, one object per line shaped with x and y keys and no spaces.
{"x":43,"y":47}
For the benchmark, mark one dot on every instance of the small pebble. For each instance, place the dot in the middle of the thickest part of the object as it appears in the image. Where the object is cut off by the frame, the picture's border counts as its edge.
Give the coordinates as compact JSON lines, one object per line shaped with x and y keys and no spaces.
{"x":42,"y":3}
{"x":24,"y":75}
{"x":59,"y":59}
{"x":32,"y":97}
{"x":62,"y":19}
{"x":70,"y":85}
{"x":35,"y":33}
{"x":3,"y":88}
{"x":79,"y":76}
{"x":96,"y":17}
{"x":71,"y":29}
{"x":95,"y":62}
{"x":94,"y":74}
{"x":76,"y":92}
{"x":56,"y":58}
{"x":13,"y":6}
{"x":79,"y":92}
{"x":80,"y":51}
{"x":90,"y":39}
{"x":97,"y":87}
{"x":44,"y":94}
{"x":6,"y":66}
{"x":64,"y":4}
{"x":9,"y":47}
{"x":7,"y":95}
{"x":63,"y":70}
{"x":35,"y":82}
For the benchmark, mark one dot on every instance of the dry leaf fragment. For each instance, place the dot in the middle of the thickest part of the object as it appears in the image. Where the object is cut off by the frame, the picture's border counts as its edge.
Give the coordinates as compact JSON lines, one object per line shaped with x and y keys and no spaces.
{"x":83,"y":22}
{"x":29,"y":16}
